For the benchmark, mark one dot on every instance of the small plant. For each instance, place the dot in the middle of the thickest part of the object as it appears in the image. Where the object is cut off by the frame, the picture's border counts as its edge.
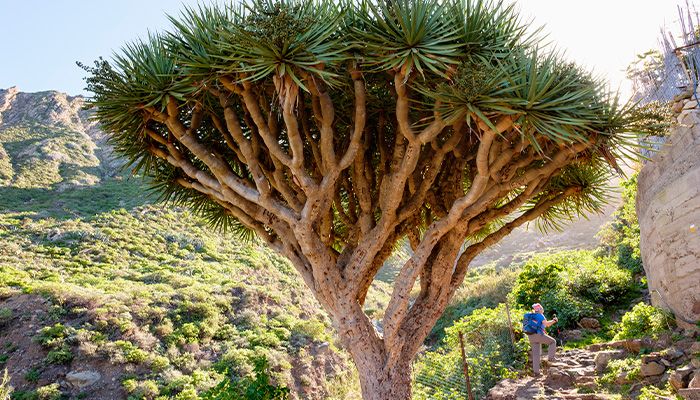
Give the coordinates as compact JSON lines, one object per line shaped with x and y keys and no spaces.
{"x":643,"y":321}
{"x":52,"y":336}
{"x":24,"y":395}
{"x":49,"y":392}
{"x":60,"y":355}
{"x":621,"y":372}
{"x":33,"y":375}
{"x":130,"y":352}
{"x":655,"y":393}
{"x":145,"y":390}
{"x":5,"y":388}
{"x":5,"y":315}
{"x":159,"y":363}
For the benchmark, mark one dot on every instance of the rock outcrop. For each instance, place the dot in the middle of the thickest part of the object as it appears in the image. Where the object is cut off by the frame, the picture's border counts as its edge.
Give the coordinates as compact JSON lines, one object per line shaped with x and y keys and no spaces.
{"x":51,"y":132}
{"x":668,"y":206}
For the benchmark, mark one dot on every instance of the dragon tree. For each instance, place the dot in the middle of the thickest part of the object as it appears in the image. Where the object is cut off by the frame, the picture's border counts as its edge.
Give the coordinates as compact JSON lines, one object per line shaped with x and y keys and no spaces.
{"x":336,"y":131}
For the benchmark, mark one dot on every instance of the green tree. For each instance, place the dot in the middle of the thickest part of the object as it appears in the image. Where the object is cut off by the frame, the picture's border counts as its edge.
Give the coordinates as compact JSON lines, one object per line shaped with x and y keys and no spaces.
{"x":334,"y":129}
{"x":258,"y":388}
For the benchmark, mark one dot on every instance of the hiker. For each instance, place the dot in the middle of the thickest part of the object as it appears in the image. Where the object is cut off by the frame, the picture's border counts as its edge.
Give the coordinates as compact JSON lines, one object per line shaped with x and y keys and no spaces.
{"x":534,"y":324}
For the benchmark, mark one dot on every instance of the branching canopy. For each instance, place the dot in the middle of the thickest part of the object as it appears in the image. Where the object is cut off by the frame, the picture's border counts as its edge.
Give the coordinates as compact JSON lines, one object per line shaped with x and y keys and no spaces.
{"x":333,"y":129}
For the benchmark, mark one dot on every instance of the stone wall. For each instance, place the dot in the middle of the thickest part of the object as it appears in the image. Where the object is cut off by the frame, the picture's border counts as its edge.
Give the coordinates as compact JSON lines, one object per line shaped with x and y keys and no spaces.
{"x":668,"y":206}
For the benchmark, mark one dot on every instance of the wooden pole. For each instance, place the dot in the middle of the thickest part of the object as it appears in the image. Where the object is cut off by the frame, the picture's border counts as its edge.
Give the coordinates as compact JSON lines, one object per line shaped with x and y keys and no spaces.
{"x":510,"y":324}
{"x":466,"y":367}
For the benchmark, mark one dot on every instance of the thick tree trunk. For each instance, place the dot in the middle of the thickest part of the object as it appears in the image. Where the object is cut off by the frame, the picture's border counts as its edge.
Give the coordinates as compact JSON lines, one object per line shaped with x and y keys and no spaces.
{"x":382,"y":377}
{"x":379,"y":383}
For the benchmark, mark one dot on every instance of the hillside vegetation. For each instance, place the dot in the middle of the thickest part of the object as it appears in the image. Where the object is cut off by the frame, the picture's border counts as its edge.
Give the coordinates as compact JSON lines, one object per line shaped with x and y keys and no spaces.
{"x":599,"y":285}
{"x":107,"y":296}
{"x":104,"y":294}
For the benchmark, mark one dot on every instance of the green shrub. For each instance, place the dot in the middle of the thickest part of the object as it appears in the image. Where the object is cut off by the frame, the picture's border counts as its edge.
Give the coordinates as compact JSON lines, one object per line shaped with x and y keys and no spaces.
{"x":189,"y":394}
{"x":52,"y":336}
{"x":621,"y":236}
{"x":5,"y":315}
{"x":190,"y":332}
{"x":226,"y":332}
{"x":130,"y":385}
{"x":24,"y":395}
{"x":572,"y":285}
{"x":49,"y":392}
{"x":59,"y":355}
{"x":630,"y":368}
{"x":535,"y":280}
{"x":310,"y":330}
{"x":144,"y":390}
{"x":655,"y":393}
{"x":258,"y":387}
{"x":159,"y":363}
{"x":643,"y":321}
{"x":32,"y":375}
{"x":600,"y":281}
{"x":130,"y":352}
{"x":568,"y":309}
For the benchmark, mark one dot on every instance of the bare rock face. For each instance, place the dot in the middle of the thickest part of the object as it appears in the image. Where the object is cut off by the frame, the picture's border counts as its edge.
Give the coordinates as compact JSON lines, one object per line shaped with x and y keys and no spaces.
{"x":652,"y":368}
{"x":81,"y":379}
{"x":695,"y":380}
{"x":668,"y":206}
{"x":58,"y":137}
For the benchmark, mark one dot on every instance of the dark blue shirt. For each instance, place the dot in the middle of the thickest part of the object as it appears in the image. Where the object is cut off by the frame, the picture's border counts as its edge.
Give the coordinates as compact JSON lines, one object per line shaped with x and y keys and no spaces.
{"x":539,"y":319}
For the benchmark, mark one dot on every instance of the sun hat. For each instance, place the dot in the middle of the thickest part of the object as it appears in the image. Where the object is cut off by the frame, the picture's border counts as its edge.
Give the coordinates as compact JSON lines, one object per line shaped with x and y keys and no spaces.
{"x":537,"y":306}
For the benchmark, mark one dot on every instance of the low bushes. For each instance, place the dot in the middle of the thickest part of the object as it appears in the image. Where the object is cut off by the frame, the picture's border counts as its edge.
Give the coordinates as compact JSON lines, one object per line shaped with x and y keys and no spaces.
{"x":643,"y":321}
{"x":572,"y":285}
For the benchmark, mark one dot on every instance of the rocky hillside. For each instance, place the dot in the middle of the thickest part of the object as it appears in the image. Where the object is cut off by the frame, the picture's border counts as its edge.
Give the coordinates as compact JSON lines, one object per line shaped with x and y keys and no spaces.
{"x":48,"y":132}
{"x":105,"y":295}
{"x":627,"y":369}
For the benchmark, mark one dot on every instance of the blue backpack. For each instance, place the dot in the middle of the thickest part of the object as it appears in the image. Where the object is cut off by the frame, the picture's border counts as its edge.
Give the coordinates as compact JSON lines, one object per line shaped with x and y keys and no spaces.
{"x":530,"y":324}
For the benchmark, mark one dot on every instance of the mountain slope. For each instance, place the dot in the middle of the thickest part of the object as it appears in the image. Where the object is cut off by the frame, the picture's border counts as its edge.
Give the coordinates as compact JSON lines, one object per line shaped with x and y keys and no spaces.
{"x":107,"y":296}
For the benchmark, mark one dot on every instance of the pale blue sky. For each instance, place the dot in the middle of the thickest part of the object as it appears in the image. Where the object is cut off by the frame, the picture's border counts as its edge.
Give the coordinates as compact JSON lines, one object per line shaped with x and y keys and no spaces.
{"x":40,"y":40}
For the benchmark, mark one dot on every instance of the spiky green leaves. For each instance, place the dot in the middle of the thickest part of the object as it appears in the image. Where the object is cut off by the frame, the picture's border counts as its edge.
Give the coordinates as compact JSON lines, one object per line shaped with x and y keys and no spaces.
{"x":287,"y":38}
{"x":406,"y":35}
{"x":588,"y":185}
{"x":458,"y":59}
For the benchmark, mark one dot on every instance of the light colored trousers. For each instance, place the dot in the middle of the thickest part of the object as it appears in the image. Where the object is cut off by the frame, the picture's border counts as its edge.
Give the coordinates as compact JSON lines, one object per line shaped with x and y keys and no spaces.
{"x":536,"y":342}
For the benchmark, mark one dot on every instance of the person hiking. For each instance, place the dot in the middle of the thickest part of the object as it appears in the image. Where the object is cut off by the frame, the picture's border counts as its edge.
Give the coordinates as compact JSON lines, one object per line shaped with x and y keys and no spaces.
{"x":534,"y":325}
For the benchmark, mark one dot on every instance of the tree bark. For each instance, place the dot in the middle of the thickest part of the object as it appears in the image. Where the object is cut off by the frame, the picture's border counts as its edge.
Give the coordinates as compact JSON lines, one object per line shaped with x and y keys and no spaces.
{"x":386,"y":384}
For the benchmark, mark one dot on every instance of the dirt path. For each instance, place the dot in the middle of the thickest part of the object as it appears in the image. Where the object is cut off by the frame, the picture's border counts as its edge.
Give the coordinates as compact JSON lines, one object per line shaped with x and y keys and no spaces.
{"x":571,"y":377}
{"x":575,"y":373}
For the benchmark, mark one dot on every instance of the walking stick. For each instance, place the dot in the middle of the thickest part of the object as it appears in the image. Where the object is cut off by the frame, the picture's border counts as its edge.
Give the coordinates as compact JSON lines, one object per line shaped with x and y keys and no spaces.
{"x":510,"y":324}
{"x":466,"y":367}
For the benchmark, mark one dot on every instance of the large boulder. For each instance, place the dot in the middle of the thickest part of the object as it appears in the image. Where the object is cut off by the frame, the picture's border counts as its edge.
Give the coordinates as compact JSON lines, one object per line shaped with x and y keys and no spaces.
{"x":694,"y":382}
{"x":82,"y":379}
{"x":668,"y":206}
{"x":558,"y":379}
{"x":679,"y":378}
{"x":652,"y":368}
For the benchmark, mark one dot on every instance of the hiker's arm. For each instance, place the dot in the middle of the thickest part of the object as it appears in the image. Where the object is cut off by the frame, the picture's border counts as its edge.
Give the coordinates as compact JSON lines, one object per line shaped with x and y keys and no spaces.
{"x":549,"y":323}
